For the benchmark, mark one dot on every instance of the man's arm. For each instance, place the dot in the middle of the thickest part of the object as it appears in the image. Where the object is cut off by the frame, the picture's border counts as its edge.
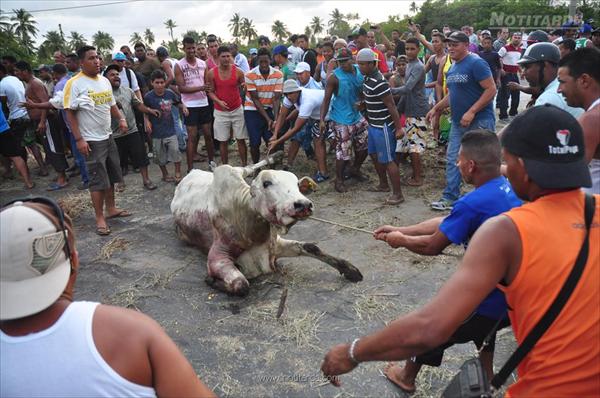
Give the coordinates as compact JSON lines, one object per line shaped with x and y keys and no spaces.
{"x":591,"y":136}
{"x":332,"y":85}
{"x":116,"y":113}
{"x":388,"y":101}
{"x":39,"y":91}
{"x":489,"y":87}
{"x":180,"y":81}
{"x":300,"y":122}
{"x":280,"y":120}
{"x":209,"y":79}
{"x":259,"y":108}
{"x":417,"y":73}
{"x":82,"y":145}
{"x":386,"y":42}
{"x":426,"y":227}
{"x":493,"y":254}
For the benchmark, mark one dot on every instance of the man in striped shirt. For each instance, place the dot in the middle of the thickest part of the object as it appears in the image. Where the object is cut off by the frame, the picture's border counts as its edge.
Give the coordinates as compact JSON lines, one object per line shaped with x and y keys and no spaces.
{"x":384,"y":125}
{"x":509,"y":55}
{"x":263,"y":96}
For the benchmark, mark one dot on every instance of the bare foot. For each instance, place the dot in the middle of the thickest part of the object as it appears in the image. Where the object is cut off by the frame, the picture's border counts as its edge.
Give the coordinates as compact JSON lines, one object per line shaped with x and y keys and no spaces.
{"x":380,"y":188}
{"x":412,"y":182}
{"x":394,"y":200}
{"x":395,"y":374}
{"x":340,"y":187}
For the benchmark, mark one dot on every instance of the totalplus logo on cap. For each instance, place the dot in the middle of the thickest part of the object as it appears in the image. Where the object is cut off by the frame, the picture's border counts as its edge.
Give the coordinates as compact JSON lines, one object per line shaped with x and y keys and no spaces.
{"x":563,"y":137}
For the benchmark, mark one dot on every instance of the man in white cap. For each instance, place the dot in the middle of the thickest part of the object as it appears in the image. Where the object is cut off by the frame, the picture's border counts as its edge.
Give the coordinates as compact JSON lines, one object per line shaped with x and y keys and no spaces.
{"x":52,"y":346}
{"x":308,"y":103}
{"x":305,"y":80}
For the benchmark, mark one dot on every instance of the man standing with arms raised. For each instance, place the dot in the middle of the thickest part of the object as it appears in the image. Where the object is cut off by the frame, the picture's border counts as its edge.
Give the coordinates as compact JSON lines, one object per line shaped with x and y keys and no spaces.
{"x":471,"y":89}
{"x":189,"y":75}
{"x":89,"y":103}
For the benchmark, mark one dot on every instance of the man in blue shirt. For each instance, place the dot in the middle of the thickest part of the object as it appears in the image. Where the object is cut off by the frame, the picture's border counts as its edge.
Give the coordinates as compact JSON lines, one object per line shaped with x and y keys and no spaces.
{"x":471,"y":90}
{"x":479,"y":162}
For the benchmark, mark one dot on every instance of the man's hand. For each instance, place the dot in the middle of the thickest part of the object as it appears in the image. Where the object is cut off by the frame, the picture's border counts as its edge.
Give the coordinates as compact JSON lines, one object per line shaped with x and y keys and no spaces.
{"x":123,"y":125}
{"x":467,"y":118}
{"x":433,"y":112}
{"x":185,"y":111}
{"x":384,"y":229}
{"x":41,"y":127}
{"x":322,"y":127}
{"x":412,"y":27}
{"x":148,"y":127}
{"x":270,"y":124}
{"x":28,"y":104}
{"x":513,"y":86}
{"x":83,"y":147}
{"x":223,"y":105}
{"x":395,"y":239}
{"x":273,"y":142}
{"x":399,"y":132}
{"x":337,"y":362}
{"x":154,"y":112}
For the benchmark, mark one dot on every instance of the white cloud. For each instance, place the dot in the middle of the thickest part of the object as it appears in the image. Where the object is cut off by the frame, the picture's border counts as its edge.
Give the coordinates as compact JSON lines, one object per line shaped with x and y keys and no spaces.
{"x":120,"y":20}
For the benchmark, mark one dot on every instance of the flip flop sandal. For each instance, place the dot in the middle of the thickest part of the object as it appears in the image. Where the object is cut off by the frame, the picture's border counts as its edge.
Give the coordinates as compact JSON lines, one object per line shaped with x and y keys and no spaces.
{"x":121,"y":214}
{"x":56,"y":186}
{"x":393,"y":202}
{"x":103,"y":231}
{"x":150,"y":186}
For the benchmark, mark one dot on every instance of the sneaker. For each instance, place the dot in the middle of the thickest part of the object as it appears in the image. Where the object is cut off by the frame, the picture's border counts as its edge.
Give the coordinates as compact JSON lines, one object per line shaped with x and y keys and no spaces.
{"x":212,"y":165}
{"x":442,"y":205}
{"x":319,"y":177}
{"x":150,"y":155}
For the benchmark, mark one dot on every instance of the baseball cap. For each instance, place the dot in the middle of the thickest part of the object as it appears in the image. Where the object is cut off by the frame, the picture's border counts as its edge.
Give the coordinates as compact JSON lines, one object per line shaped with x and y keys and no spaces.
{"x":290,"y":86}
{"x":43,"y":67}
{"x":486,"y":32}
{"x":359,"y":32}
{"x":253,"y":51}
{"x":279,"y":49}
{"x":550,"y":142}
{"x":34,"y":269}
{"x":366,"y":55}
{"x":302,"y":67}
{"x":457,"y":37}
{"x":119,"y":56}
{"x":343,"y":54}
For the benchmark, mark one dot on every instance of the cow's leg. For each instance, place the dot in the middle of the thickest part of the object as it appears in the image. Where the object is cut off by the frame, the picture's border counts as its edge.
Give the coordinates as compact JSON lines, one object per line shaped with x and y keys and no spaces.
{"x":222,"y":272}
{"x":293,"y":248}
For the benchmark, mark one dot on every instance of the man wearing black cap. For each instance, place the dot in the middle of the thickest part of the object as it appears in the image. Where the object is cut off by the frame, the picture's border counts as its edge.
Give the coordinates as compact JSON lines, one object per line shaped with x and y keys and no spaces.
{"x":528,"y":253}
{"x":471,"y":88}
{"x":596,"y":37}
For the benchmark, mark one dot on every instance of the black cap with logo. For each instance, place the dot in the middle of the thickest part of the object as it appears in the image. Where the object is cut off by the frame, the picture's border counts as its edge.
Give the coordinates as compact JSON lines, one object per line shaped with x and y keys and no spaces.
{"x":457,"y":37}
{"x":550,"y":142}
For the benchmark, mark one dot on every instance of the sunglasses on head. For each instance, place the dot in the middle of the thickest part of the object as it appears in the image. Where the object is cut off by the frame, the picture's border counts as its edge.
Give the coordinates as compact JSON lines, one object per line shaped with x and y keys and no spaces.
{"x":58,"y":212}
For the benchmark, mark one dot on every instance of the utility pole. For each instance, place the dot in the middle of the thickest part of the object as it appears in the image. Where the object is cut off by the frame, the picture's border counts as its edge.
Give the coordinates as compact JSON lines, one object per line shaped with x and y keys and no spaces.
{"x":572,"y":9}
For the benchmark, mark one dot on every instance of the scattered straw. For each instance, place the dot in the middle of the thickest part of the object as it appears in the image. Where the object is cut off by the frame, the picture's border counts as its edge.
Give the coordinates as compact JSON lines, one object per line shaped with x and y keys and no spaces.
{"x":73,"y":204}
{"x":302,"y":328}
{"x":115,"y":244}
{"x":369,"y":306}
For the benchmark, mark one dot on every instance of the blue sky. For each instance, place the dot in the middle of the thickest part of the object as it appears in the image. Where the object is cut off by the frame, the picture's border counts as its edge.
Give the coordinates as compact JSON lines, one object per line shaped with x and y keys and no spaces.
{"x":212,"y":16}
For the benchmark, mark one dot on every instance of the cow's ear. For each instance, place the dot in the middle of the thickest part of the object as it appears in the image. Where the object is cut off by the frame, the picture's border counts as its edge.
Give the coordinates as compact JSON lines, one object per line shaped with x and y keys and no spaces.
{"x":307,"y":185}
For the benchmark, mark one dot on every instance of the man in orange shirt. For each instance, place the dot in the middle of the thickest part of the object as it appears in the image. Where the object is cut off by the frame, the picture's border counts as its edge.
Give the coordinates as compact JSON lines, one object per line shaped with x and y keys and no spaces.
{"x":529,"y":251}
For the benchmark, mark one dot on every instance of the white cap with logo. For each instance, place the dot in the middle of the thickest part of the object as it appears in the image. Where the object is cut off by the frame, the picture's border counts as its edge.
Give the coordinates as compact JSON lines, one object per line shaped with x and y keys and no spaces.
{"x":34,"y":269}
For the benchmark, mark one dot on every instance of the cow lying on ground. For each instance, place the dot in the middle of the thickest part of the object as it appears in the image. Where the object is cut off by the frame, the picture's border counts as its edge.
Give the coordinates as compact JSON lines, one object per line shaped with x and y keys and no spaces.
{"x":238,"y":224}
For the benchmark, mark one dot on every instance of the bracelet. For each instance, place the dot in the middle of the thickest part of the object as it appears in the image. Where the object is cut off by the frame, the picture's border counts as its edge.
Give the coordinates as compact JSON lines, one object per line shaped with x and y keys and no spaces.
{"x":351,"y":352}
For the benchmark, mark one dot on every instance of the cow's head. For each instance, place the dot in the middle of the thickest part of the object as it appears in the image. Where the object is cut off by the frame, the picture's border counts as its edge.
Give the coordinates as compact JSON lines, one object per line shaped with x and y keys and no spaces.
{"x":276,"y":196}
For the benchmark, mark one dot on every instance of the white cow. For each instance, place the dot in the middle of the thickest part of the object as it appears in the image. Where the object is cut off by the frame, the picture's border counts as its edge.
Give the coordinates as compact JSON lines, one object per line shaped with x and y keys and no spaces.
{"x":238,"y":224}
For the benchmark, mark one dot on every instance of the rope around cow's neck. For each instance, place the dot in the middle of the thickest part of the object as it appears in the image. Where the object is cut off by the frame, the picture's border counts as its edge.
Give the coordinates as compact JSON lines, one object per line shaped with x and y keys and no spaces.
{"x":341,"y":225}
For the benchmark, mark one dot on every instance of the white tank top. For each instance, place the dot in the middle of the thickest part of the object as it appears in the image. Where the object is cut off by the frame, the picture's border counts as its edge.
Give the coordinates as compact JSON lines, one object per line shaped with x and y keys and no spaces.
{"x":62,"y":361}
{"x":193,"y":75}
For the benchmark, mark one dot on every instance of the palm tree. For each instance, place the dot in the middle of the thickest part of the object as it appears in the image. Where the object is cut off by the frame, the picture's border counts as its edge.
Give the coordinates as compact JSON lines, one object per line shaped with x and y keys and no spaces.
{"x":53,"y":41}
{"x":24,"y":26}
{"x":5,"y":24}
{"x":316,"y":25}
{"x":235,"y":26}
{"x":337,"y":18}
{"x":193,"y":34}
{"x":173,"y":46}
{"x":149,"y":37}
{"x":248,"y":30}
{"x":76,"y":40}
{"x":352,"y":17}
{"x":135,"y":38}
{"x":170,"y":25}
{"x":202,"y":37}
{"x":279,"y":30}
{"x":413,"y":7}
{"x":103,"y":41}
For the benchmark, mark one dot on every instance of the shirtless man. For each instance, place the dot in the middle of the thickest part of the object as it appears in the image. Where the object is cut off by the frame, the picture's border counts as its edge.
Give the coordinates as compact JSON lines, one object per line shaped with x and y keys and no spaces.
{"x":579,"y":83}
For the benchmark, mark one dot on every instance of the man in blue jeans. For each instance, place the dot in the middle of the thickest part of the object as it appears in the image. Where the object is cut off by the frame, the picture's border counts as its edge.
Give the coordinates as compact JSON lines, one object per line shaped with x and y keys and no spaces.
{"x":471,"y":91}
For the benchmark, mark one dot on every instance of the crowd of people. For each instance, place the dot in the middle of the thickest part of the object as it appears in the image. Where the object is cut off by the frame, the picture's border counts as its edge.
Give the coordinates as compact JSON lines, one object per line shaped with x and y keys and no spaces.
{"x":352,"y":98}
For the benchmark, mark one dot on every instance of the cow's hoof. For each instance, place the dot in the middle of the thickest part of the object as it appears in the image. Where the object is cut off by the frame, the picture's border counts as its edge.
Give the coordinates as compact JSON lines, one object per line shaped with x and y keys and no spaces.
{"x":352,"y":273}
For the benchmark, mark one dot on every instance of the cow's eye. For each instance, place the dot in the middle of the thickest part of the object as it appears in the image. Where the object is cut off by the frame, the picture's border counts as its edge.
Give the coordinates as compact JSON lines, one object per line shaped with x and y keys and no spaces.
{"x":266,"y":184}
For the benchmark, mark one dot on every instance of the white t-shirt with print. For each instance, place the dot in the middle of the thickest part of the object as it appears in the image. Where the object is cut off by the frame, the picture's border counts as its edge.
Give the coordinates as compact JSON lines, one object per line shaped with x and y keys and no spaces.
{"x":91,"y":98}
{"x":14,"y":91}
